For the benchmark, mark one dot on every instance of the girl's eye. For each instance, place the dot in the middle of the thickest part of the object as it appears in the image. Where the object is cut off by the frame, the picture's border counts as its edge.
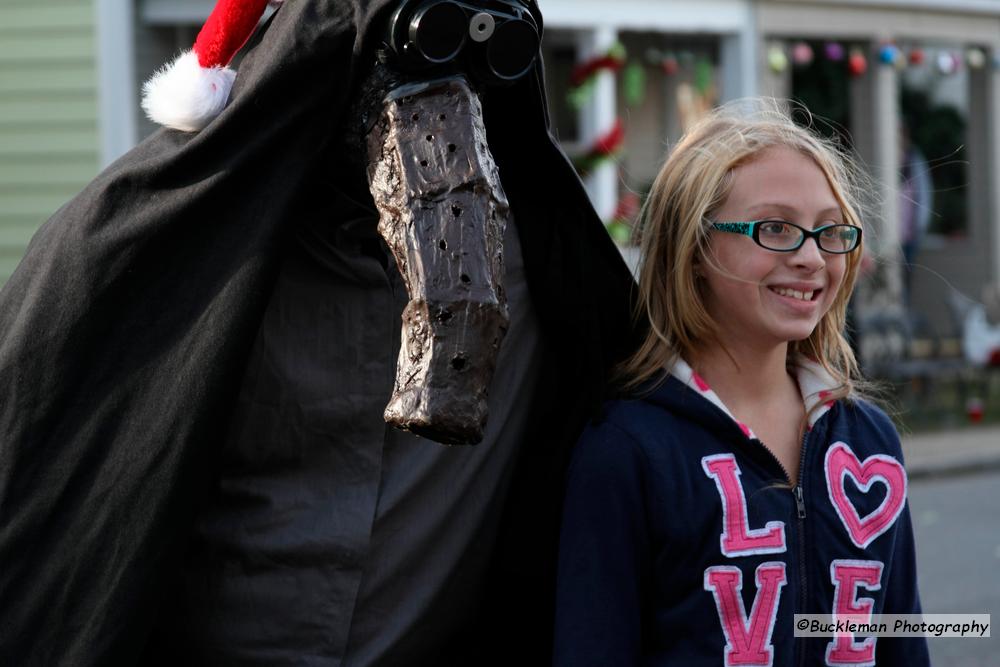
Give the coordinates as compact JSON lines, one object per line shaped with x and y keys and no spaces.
{"x":775,"y":228}
{"x":839,"y":232}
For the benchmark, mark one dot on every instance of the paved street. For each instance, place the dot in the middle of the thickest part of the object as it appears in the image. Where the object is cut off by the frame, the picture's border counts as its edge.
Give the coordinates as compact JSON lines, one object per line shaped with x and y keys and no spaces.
{"x":957,"y":528}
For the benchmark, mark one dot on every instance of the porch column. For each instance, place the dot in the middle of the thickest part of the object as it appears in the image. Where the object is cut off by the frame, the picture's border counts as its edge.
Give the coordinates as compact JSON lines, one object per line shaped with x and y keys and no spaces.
{"x":116,"y":94}
{"x":886,"y":158}
{"x":992,"y":94}
{"x":597,"y":117}
{"x":739,"y":58}
{"x":875,"y":96}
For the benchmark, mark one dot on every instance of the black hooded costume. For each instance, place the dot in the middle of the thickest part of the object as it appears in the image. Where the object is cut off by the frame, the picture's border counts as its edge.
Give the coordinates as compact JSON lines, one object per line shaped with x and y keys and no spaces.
{"x":134,"y":322}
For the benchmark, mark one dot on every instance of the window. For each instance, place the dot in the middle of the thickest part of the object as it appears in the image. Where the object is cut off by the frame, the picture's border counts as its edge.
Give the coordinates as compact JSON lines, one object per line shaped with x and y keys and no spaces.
{"x":934,"y":109}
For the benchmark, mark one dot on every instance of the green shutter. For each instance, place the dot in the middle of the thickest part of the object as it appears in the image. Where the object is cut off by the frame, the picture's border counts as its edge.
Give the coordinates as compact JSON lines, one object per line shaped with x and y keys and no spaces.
{"x":49,"y":142}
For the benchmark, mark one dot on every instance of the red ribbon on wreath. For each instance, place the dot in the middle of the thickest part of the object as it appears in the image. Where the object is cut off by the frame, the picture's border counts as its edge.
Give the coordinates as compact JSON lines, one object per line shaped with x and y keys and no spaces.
{"x":603,"y":149}
{"x":628,"y":207}
{"x":624,"y":217}
{"x":584,"y":76}
{"x":612,"y":61}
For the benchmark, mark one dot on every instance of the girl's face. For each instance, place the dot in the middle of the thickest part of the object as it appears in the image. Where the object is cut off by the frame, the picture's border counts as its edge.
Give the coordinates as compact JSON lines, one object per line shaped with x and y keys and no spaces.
{"x":751,"y":291}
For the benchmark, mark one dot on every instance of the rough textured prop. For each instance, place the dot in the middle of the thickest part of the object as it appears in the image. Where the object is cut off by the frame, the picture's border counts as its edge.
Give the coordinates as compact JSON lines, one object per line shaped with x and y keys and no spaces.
{"x":443,"y":214}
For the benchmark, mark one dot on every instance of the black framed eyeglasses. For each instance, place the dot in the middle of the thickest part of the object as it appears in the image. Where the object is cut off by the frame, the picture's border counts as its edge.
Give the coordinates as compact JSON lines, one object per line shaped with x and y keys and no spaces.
{"x":781,"y":236}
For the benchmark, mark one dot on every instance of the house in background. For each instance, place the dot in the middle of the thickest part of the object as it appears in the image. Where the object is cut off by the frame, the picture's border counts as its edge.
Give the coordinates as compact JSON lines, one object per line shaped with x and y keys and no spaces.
{"x":941,"y":91}
{"x":70,"y":72}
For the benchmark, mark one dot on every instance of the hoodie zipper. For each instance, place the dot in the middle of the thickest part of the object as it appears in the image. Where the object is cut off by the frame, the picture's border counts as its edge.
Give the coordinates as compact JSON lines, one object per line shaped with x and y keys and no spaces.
{"x":800,"y":506}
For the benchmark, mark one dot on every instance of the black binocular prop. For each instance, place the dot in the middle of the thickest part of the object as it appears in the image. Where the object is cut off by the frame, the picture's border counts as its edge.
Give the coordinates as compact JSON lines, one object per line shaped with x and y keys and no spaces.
{"x":500,"y":37}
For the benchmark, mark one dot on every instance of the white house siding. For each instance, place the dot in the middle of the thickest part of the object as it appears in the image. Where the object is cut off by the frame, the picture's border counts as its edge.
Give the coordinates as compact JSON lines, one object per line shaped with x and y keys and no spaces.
{"x":48,"y":114}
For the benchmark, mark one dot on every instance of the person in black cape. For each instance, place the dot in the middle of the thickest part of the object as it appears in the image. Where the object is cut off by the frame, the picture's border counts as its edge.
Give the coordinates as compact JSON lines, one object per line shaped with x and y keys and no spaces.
{"x":148,"y":311}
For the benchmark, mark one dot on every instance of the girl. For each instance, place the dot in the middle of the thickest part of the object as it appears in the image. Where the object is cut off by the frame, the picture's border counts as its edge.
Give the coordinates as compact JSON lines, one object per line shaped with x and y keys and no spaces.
{"x":742,"y":480}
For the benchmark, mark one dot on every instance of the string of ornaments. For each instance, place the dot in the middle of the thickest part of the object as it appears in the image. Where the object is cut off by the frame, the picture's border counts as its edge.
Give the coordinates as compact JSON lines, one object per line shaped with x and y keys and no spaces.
{"x":607,"y":146}
{"x":888,"y":54}
{"x":699,"y":70}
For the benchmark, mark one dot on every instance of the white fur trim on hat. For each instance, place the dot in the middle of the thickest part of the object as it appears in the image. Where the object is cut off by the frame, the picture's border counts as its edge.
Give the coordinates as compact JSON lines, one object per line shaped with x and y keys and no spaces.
{"x":185,"y":96}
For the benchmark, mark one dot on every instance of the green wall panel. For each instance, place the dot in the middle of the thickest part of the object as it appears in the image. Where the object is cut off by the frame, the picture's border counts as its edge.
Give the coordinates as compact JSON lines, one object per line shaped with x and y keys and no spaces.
{"x":49,"y":141}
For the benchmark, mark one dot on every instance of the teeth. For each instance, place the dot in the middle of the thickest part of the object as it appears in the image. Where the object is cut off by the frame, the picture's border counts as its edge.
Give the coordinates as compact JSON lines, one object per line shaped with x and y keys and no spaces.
{"x":784,"y":291}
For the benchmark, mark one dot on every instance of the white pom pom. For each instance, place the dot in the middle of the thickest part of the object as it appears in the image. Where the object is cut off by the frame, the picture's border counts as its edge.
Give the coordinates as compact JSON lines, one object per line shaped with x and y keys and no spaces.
{"x":185,"y":96}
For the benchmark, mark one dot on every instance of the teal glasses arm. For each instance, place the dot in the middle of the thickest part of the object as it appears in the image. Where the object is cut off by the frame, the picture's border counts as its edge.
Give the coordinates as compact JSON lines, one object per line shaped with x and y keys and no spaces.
{"x":745,"y":228}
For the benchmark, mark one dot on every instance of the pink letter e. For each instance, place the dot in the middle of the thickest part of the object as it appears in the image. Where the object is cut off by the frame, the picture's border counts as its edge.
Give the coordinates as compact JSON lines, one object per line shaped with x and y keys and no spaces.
{"x":847,"y":576}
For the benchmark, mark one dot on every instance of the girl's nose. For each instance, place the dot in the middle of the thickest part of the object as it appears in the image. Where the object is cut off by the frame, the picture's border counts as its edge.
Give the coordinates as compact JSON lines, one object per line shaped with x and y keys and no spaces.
{"x":809,"y":256}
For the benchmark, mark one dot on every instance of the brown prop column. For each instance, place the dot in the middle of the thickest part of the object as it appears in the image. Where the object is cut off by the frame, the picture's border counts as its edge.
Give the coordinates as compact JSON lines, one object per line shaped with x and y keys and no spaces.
{"x":443,"y":213}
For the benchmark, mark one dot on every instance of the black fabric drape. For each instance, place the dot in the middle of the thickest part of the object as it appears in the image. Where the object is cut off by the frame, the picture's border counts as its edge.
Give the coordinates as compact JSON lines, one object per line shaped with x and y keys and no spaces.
{"x":124,"y":334}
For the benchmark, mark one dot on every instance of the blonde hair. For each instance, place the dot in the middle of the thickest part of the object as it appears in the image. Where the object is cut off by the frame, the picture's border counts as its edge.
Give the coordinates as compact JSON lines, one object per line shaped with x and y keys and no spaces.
{"x":693,"y":183}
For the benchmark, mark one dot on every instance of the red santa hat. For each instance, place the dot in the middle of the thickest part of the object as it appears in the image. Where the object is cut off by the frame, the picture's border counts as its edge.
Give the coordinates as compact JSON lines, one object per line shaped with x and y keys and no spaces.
{"x":189,"y":92}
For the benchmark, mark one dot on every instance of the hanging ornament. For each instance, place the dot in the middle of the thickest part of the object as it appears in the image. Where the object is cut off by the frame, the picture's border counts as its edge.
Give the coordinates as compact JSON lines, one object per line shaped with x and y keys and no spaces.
{"x":947,"y":63}
{"x":857,"y":64}
{"x":917,"y":56}
{"x":975,"y":58}
{"x":634,"y":84}
{"x":670,"y":64}
{"x":802,"y":54}
{"x":887,"y":54}
{"x":704,"y":74}
{"x":776,"y":59}
{"x":833,"y":51}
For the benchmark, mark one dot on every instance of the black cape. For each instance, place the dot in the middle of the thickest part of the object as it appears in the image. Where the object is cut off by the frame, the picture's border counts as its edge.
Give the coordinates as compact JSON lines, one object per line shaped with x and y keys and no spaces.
{"x":125,"y":330}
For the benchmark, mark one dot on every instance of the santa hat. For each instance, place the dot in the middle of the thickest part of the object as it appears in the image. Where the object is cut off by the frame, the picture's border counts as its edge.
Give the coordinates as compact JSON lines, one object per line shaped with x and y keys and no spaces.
{"x":189,"y":92}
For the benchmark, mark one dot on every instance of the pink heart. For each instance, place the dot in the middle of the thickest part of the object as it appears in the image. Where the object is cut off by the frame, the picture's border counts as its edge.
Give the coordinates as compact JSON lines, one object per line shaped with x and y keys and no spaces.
{"x":841,"y":461}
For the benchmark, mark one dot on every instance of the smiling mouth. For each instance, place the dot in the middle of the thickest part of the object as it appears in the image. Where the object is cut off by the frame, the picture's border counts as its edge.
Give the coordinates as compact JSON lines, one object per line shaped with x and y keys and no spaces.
{"x":795,"y":294}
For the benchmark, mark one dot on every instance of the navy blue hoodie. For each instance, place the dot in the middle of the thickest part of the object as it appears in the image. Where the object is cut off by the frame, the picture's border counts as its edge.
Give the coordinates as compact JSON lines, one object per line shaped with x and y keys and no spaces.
{"x":685,"y":543}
